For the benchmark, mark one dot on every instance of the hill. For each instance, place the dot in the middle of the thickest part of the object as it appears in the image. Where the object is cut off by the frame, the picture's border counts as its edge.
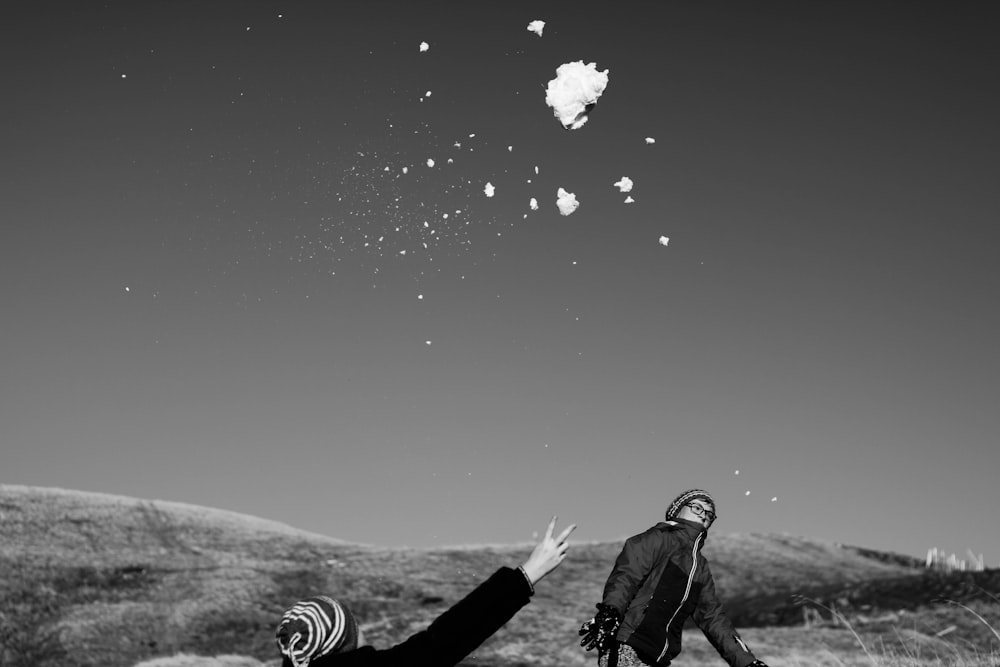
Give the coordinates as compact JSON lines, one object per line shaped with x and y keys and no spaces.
{"x":131,"y":580}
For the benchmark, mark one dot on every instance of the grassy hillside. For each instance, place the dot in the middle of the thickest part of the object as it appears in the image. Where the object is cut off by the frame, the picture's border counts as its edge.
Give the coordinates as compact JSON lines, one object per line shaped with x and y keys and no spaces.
{"x":131,"y":580}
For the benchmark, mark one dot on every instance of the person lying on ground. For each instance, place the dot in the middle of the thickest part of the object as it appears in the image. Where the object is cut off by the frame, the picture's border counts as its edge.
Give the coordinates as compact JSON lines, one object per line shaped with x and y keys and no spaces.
{"x":322,"y":631}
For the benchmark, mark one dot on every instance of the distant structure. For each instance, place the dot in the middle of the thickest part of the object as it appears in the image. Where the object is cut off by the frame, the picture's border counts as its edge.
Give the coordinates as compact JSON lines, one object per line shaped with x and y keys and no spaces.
{"x":937,"y":559}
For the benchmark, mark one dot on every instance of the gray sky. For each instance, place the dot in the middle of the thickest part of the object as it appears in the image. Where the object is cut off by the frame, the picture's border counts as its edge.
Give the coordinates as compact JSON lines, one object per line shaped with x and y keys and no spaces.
{"x":205,"y":294}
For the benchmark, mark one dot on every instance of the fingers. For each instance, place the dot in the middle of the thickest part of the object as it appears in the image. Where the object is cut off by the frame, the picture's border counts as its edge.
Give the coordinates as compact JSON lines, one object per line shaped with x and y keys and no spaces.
{"x":552,"y":526}
{"x":563,"y":535}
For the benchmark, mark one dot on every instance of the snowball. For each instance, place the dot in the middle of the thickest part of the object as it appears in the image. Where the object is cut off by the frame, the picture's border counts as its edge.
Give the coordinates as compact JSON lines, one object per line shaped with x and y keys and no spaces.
{"x":625,"y":184}
{"x":489,"y":189}
{"x":430,"y":162}
{"x":566,"y":202}
{"x":650,"y":140}
{"x":537,"y":27}
{"x":424,"y":46}
{"x":533,"y":204}
{"x":664,"y":241}
{"x":574,"y":92}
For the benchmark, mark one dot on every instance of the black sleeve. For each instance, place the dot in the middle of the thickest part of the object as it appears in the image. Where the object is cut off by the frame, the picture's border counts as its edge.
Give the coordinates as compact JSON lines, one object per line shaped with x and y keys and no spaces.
{"x":455,"y":633}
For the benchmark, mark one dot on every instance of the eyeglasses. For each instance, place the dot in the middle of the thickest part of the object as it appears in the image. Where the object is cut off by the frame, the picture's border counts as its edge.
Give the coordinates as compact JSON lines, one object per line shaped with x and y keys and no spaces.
{"x":703,"y":512}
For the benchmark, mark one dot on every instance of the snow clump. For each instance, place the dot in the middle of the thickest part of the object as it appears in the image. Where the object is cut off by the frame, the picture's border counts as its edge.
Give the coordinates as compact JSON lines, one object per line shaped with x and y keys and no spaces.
{"x":625,"y":184}
{"x":566,"y":202}
{"x":574,"y":92}
{"x":537,"y":27}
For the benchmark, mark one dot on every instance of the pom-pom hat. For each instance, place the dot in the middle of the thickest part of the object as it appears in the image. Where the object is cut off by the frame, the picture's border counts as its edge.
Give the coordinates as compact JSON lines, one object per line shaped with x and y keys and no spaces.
{"x":686,"y":498}
{"x":314,"y":627}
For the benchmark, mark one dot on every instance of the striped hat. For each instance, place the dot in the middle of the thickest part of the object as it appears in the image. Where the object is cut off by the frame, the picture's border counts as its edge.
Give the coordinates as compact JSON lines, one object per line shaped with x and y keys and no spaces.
{"x":685,"y":498}
{"x":315,"y":627}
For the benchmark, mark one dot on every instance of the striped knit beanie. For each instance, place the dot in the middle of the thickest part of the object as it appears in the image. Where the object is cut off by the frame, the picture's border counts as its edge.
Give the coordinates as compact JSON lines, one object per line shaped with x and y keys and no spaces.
{"x":315,"y":627}
{"x":685,"y":498}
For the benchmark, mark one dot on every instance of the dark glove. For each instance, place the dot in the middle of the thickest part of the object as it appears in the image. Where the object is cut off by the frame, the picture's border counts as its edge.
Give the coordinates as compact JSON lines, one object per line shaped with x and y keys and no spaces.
{"x":600,"y":631}
{"x":757,"y":663}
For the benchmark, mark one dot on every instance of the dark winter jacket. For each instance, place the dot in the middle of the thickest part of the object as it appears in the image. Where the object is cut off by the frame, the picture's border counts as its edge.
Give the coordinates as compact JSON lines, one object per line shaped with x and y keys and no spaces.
{"x":659,"y":580}
{"x":453,"y":635}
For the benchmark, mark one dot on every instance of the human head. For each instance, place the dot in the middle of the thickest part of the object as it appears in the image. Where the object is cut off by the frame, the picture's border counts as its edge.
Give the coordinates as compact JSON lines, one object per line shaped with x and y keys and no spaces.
{"x":314,"y":627}
{"x":680,"y":508}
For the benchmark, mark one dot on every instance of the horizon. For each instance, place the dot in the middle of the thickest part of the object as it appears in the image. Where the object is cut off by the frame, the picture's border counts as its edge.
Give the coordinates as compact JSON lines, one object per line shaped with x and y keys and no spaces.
{"x":286,"y":261}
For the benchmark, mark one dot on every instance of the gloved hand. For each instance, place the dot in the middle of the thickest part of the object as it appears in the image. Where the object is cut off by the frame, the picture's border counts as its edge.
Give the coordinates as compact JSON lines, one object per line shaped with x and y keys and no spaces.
{"x":600,"y":631}
{"x":757,"y":663}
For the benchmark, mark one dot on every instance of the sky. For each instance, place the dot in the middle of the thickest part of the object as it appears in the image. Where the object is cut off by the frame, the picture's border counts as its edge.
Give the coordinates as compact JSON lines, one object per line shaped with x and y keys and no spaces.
{"x":281,"y":259}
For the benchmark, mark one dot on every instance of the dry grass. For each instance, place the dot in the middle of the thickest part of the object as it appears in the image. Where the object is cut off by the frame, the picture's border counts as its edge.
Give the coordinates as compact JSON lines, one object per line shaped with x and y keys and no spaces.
{"x":148,"y":580}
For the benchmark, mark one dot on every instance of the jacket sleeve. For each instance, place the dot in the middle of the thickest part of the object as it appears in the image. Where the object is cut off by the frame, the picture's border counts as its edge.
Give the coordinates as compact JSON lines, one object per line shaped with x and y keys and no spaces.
{"x":455,"y":633}
{"x":631,"y":567}
{"x":710,"y":616}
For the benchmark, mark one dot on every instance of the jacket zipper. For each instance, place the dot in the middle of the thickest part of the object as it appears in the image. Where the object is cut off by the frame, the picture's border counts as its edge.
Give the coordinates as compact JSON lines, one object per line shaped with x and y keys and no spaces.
{"x":687,"y":593}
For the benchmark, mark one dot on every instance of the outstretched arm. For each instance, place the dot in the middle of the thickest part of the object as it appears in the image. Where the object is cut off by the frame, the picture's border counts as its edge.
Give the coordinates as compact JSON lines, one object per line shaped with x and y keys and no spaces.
{"x":712,"y":619}
{"x":471,"y":621}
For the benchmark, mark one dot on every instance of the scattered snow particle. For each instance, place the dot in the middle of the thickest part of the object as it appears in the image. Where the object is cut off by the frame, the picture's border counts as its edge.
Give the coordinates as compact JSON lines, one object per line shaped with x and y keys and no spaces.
{"x":629,"y":200}
{"x":650,"y":140}
{"x":420,"y":296}
{"x":664,"y":241}
{"x":747,"y":493}
{"x":737,"y":472}
{"x":566,"y":201}
{"x":537,"y":27}
{"x":424,"y":46}
{"x":510,"y":148}
{"x":128,"y":289}
{"x":427,"y":94}
{"x":774,"y":499}
{"x":624,"y":185}
{"x":405,"y":169}
{"x":489,"y":189}
{"x":427,"y":342}
{"x":533,"y":204}
{"x":430,"y":162}
{"x":574,"y":92}
{"x":124,"y":76}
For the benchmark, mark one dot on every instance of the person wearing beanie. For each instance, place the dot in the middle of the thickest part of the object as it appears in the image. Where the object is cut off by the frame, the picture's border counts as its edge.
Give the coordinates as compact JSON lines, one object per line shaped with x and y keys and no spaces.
{"x":658,"y":581}
{"x":321,"y":631}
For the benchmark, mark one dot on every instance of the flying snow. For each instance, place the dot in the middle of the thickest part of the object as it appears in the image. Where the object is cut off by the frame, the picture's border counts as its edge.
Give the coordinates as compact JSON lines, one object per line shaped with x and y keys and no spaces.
{"x":663,"y":242}
{"x":624,"y":185}
{"x":424,"y":46}
{"x":537,"y":27}
{"x":650,"y":140}
{"x":629,"y":200}
{"x":574,"y":92}
{"x":533,"y":204}
{"x":566,"y":202}
{"x":489,"y":189}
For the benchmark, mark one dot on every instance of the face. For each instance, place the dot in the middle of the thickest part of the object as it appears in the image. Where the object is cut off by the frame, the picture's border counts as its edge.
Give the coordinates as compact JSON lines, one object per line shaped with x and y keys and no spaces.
{"x":698,"y":511}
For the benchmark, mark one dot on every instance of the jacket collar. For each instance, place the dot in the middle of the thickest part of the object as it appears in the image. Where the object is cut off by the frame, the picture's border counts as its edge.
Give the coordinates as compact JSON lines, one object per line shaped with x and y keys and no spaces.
{"x":689,"y":529}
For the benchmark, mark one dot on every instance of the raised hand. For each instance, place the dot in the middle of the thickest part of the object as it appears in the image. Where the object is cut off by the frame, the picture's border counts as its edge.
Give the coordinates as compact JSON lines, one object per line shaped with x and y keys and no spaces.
{"x":548,"y":553}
